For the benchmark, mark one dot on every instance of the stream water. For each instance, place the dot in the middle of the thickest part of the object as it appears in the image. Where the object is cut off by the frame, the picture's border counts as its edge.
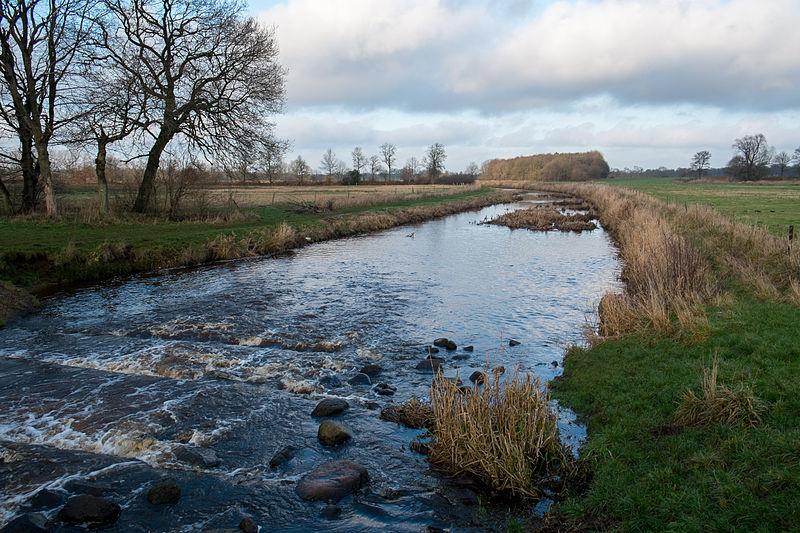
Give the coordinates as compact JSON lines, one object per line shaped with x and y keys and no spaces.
{"x":104,"y":386}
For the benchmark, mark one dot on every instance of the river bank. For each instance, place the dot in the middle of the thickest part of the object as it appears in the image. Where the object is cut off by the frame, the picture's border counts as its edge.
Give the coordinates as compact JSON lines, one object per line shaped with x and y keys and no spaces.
{"x":691,"y":386}
{"x":43,"y":255}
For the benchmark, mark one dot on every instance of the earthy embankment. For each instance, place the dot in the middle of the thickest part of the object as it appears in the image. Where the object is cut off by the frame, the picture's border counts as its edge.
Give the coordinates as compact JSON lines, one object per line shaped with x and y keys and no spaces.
{"x":691,"y":389}
{"x":36,"y":263}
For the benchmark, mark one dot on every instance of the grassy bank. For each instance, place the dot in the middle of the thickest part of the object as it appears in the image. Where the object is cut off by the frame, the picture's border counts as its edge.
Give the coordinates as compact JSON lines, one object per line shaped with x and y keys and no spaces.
{"x":38,"y":251}
{"x":700,"y":288}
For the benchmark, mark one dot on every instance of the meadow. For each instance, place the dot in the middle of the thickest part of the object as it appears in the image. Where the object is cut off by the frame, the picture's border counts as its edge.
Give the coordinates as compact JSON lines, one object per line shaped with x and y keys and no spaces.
{"x":773,"y":204}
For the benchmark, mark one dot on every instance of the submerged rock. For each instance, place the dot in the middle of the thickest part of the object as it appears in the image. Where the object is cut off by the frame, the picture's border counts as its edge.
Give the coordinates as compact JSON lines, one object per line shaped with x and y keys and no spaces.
{"x":384,"y":389}
{"x":332,"y":481}
{"x":330,"y":381}
{"x":430,"y":365}
{"x":330,"y":407}
{"x":198,"y":456}
{"x":360,"y":379}
{"x":331,"y":433}
{"x":431,"y":349}
{"x":331,"y":512}
{"x":371,"y":370}
{"x":164,"y":492}
{"x":90,"y":511}
{"x":281,"y":456}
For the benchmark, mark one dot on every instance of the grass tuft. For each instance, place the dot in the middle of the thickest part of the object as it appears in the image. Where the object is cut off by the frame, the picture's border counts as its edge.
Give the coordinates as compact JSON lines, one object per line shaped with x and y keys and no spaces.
{"x":718,"y":404}
{"x":504,"y":434}
{"x":412,"y":414}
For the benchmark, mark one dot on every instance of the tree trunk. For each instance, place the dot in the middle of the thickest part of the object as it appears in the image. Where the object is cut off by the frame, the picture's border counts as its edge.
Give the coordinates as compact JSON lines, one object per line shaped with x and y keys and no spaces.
{"x":28,"y":172}
{"x":149,"y":177}
{"x":7,"y":207}
{"x":46,"y":175}
{"x":100,"y":170}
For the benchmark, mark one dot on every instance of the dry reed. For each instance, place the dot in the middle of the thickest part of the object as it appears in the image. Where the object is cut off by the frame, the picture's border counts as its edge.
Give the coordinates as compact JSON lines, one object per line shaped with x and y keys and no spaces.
{"x":411,"y":414}
{"x":504,"y":434}
{"x":717,"y":404}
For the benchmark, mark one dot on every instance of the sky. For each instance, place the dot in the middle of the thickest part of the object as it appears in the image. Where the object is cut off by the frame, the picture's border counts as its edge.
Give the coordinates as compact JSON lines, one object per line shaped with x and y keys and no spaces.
{"x":646,"y":82}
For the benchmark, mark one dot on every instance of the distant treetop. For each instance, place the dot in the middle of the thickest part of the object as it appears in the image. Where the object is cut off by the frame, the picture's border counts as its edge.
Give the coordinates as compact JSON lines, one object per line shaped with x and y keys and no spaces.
{"x":548,"y":167}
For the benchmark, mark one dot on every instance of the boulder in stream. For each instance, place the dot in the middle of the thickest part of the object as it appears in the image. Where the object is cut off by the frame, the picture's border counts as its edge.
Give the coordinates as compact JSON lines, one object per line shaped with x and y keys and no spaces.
{"x":89,"y":511}
{"x":512,"y":342}
{"x":332,"y":481}
{"x":27,"y":523}
{"x":478,"y":377}
{"x":360,"y":379}
{"x":332,"y":433}
{"x":330,"y":407}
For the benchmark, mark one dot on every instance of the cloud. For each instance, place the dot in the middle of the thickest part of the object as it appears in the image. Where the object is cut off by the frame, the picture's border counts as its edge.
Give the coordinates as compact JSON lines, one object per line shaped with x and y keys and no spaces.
{"x":424,"y":55}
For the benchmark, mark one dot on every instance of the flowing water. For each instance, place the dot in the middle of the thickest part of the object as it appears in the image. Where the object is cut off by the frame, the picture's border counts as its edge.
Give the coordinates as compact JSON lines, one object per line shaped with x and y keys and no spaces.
{"x":105,"y":386}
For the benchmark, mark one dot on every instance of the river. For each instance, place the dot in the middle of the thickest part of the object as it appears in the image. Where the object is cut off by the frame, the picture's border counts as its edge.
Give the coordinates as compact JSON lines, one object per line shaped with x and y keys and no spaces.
{"x":102,"y":388}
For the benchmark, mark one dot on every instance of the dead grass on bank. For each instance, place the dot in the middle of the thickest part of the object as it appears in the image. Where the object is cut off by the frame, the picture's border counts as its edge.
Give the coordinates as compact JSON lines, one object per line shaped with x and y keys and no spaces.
{"x":503,"y":433}
{"x":717,"y":404}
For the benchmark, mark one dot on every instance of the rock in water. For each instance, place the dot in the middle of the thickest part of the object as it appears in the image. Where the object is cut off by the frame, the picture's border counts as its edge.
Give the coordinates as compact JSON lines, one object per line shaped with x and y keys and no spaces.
{"x":360,"y":379}
{"x":91,"y":511}
{"x":468,"y":348}
{"x":430,"y":365}
{"x":512,"y":342}
{"x":164,"y":492}
{"x":451,"y":345}
{"x":197,"y":456}
{"x":371,"y":370}
{"x":27,"y":523}
{"x":441,"y":342}
{"x":330,"y":407}
{"x":332,"y":481}
{"x":281,"y":456}
{"x":478,"y":377}
{"x":248,"y":526}
{"x":333,"y":433}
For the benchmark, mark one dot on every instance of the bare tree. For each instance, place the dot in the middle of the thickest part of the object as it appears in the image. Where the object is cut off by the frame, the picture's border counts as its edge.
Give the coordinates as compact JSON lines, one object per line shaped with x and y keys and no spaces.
{"x":411,"y":169}
{"x":39,"y":41}
{"x":472,"y":170}
{"x":388,"y":152}
{"x":210,"y":74}
{"x":375,"y":166}
{"x":796,"y":159}
{"x":434,"y":160}
{"x":782,"y":159}
{"x":755,"y":156}
{"x":359,"y":159}
{"x":300,"y":169}
{"x":700,"y":162}
{"x":328,"y":163}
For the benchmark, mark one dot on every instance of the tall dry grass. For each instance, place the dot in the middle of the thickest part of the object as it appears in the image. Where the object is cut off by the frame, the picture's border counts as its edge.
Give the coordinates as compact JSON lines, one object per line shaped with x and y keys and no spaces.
{"x":504,"y":433}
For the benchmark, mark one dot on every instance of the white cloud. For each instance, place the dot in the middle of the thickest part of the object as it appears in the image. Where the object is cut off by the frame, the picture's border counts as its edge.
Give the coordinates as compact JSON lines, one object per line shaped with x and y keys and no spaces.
{"x":646,"y":82}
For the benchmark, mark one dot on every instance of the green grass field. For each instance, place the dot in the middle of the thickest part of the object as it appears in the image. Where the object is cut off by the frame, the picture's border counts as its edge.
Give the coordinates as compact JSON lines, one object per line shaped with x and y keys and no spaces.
{"x":775,"y":205}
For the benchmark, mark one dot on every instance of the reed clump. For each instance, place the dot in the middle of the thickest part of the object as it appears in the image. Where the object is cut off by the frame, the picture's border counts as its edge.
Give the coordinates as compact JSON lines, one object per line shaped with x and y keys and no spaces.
{"x":503,"y":433}
{"x":717,"y":403}
{"x":546,"y":219}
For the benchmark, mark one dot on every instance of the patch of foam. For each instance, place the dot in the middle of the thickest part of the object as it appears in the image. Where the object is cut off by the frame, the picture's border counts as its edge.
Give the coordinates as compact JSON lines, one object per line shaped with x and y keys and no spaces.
{"x":370,"y":353}
{"x":50,"y":430}
{"x":297,"y":385}
{"x":251,"y":341}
